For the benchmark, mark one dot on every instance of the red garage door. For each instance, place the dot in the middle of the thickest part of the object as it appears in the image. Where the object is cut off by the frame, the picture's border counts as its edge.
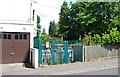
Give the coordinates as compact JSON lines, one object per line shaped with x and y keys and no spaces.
{"x":15,"y":47}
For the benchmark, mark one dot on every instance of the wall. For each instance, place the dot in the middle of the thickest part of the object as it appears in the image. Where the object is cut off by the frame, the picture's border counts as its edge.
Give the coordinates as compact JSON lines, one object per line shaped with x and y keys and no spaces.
{"x":34,"y":53}
{"x":100,"y":52}
{"x":17,"y":10}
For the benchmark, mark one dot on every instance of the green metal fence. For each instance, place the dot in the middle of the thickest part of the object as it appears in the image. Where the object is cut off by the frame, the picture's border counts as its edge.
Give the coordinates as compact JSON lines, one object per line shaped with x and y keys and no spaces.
{"x":77,"y":48}
{"x":58,"y":52}
{"x":52,"y":52}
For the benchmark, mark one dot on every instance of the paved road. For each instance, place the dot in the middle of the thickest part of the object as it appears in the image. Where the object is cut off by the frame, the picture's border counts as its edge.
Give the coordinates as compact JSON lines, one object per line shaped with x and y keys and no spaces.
{"x":103,"y":71}
{"x":107,"y":67}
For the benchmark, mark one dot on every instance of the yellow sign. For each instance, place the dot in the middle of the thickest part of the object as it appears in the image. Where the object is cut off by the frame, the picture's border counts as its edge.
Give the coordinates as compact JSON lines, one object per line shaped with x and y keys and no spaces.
{"x":47,"y":44}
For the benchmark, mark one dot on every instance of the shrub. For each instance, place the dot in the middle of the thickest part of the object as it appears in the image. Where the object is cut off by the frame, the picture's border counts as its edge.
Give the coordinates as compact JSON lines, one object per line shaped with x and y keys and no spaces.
{"x":88,"y":40}
{"x":48,"y":37}
{"x":96,"y":39}
{"x":114,"y":36}
{"x":106,"y":39}
{"x":43,"y":36}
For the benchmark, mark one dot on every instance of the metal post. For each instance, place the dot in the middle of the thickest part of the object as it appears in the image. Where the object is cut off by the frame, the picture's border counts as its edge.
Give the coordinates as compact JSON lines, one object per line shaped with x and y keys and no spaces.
{"x":40,"y":51}
{"x":66,"y":52}
{"x":53,"y":52}
{"x":83,"y":54}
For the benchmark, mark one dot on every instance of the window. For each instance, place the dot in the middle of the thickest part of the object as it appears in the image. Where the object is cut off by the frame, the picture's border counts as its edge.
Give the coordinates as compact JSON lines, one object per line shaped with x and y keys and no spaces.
{"x":25,"y":36}
{"x":16,"y":36}
{"x":20,"y":36}
{"x":0,"y":36}
{"x":33,"y":15}
{"x":9,"y":36}
{"x":4,"y":36}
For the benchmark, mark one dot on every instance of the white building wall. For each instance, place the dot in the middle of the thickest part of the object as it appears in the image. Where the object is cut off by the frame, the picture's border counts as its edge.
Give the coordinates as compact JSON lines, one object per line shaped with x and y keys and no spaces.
{"x":17,"y":10}
{"x":16,"y":16}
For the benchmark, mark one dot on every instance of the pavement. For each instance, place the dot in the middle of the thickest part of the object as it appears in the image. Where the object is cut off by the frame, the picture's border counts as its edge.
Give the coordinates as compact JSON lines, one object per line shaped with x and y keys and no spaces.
{"x":63,"y":69}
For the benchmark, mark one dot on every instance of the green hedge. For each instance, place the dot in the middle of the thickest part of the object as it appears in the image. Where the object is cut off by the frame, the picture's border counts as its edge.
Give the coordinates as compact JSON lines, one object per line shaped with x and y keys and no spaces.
{"x":112,"y":38}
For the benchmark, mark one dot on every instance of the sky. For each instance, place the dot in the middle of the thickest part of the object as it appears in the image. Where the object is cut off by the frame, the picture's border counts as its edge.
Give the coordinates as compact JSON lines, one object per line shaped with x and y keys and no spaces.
{"x":48,"y":10}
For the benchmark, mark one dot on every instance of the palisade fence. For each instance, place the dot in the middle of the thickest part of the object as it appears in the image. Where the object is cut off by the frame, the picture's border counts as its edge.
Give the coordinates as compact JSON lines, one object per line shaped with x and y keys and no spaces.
{"x":60,"y":52}
{"x":53,"y":52}
{"x":101,"y":52}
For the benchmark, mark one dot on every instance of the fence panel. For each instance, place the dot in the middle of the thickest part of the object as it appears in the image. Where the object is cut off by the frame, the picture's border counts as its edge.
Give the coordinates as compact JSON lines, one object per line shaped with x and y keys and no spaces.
{"x":101,"y":51}
{"x":75,"y":48}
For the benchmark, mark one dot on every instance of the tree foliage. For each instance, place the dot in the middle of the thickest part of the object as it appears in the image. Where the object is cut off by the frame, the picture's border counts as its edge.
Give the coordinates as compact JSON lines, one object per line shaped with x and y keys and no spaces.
{"x":81,"y":18}
{"x":114,"y":36}
{"x":38,"y":25}
{"x":44,"y":31}
{"x":53,"y":28}
{"x":43,"y":36}
{"x":64,"y":20}
{"x":97,"y":39}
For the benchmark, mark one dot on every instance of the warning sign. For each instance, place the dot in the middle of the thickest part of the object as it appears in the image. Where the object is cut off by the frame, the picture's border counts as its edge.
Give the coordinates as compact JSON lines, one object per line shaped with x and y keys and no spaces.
{"x":47,"y":44}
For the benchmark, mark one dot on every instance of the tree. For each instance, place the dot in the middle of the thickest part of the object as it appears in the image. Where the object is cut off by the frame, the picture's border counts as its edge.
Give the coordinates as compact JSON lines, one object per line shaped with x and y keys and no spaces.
{"x":52,"y":28}
{"x":38,"y":25}
{"x":87,"y":17}
{"x":78,"y":19}
{"x":105,"y":16}
{"x":44,"y":31}
{"x":64,"y":20}
{"x":94,"y":17}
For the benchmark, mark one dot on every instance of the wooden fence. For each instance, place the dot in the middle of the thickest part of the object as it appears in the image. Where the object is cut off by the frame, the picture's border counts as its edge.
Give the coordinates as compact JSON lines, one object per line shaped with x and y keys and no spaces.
{"x":101,"y":52}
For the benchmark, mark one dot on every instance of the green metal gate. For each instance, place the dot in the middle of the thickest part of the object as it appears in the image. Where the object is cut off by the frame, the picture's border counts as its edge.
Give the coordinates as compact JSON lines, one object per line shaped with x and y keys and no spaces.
{"x":58,"y":52}
{"x":77,"y":47}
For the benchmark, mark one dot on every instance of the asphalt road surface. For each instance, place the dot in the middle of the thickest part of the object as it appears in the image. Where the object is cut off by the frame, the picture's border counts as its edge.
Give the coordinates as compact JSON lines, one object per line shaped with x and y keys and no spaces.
{"x":103,"y":71}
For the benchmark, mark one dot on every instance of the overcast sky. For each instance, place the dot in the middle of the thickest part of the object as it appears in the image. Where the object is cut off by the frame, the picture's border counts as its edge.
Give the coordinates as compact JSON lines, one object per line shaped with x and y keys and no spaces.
{"x":48,"y":10}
